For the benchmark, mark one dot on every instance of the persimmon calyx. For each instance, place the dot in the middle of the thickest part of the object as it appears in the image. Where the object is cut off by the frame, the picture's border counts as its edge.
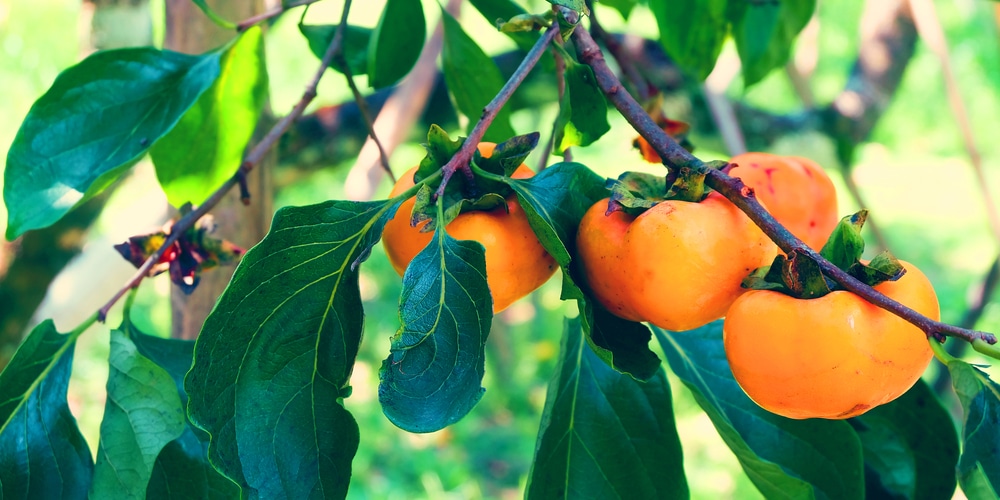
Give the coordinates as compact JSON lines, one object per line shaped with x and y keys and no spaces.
{"x":479,"y":191}
{"x":801,"y":277}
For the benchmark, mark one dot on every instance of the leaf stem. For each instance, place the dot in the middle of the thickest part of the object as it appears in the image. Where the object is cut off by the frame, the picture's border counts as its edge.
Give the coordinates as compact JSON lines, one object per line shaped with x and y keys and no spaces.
{"x":460,"y":161}
{"x":941,"y":353}
{"x":252,"y":159}
{"x":275,"y":12}
{"x":734,"y":190}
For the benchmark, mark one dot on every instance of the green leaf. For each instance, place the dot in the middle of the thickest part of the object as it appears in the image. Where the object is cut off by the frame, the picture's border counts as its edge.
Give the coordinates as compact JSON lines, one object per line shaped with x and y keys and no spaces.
{"x":784,"y":458}
{"x":496,"y":11}
{"x":845,"y":245}
{"x":555,"y":201}
{"x":96,"y":121}
{"x":588,"y":119}
{"x":433,"y":375}
{"x":765,"y":32}
{"x":396,"y":42}
{"x":274,"y":358}
{"x":182,"y":469}
{"x":206,"y":146}
{"x":624,"y":7}
{"x":622,"y":344}
{"x":42,"y":453}
{"x":692,"y":32}
{"x":473,"y":79}
{"x":215,"y":18}
{"x":604,"y":434}
{"x":142,"y":414}
{"x":577,"y":5}
{"x":910,"y":447}
{"x":979,"y":464}
{"x":354,"y":47}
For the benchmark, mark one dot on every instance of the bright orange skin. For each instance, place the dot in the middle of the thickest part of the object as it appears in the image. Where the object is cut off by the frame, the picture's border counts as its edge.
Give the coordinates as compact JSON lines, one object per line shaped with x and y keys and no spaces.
{"x":678,"y":265}
{"x":796,"y":191}
{"x":833,"y":357}
{"x":516,"y":262}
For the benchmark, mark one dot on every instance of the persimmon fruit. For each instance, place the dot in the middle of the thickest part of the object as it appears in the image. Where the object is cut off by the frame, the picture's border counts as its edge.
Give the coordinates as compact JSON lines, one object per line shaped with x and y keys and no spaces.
{"x":795,"y":190}
{"x":678,"y":265}
{"x":834,"y":357}
{"x":516,"y":262}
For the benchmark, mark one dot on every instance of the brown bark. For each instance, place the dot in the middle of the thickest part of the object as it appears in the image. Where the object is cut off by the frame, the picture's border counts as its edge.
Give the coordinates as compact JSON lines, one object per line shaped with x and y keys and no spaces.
{"x":189,"y":30}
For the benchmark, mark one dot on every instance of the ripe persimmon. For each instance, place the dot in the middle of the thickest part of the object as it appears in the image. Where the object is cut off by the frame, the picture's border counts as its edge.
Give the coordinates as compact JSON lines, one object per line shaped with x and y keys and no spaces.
{"x":516,"y":262}
{"x":795,"y":190}
{"x":678,"y":265}
{"x":836,"y":356}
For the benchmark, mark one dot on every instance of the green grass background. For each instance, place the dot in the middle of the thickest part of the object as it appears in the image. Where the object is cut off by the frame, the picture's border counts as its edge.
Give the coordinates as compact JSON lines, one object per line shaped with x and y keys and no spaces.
{"x":914,"y":173}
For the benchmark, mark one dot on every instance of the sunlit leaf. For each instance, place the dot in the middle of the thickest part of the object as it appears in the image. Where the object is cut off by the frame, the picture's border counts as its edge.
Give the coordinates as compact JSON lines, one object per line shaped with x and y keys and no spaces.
{"x":496,"y":11}
{"x":784,"y":458}
{"x":396,"y":42}
{"x":142,"y":414}
{"x":274,"y":358}
{"x":433,"y":375}
{"x":206,"y":146}
{"x":98,"y":118}
{"x":473,"y":79}
{"x":765,"y":33}
{"x":692,"y":32}
{"x":604,"y":434}
{"x":588,"y":117}
{"x":42,"y":453}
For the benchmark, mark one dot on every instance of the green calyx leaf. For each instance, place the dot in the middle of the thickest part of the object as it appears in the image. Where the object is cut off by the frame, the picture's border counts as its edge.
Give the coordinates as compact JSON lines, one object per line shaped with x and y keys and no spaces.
{"x":508,"y":155}
{"x":522,"y":22}
{"x":796,"y":275}
{"x":844,"y":249}
{"x":690,"y":185}
{"x":635,"y":192}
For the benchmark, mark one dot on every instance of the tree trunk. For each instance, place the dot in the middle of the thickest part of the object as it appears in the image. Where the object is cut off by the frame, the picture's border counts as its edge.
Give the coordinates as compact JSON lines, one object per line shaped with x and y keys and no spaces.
{"x":189,"y":30}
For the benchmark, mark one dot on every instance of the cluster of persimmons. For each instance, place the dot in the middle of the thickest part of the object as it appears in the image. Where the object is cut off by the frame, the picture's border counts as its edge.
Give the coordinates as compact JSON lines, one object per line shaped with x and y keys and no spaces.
{"x":680,"y":265}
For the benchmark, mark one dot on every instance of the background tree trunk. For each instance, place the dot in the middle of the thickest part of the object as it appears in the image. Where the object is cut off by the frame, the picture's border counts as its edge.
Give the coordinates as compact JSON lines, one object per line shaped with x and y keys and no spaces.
{"x":189,"y":30}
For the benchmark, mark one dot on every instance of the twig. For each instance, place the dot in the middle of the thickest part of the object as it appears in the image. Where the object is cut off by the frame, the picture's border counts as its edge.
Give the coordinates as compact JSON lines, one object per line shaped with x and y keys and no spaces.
{"x":929,"y":28}
{"x":743,"y":197}
{"x":365,"y":114}
{"x":461,"y":159}
{"x":251,"y":160}
{"x":561,"y":91}
{"x":275,"y":12}
{"x":719,"y":105}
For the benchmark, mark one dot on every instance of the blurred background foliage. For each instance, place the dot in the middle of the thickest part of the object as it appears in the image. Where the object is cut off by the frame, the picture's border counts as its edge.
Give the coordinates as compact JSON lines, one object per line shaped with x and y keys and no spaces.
{"x":914,"y":174}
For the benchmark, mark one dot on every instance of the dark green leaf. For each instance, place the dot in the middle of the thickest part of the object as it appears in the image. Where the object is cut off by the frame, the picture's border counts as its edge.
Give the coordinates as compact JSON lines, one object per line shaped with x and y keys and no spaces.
{"x":354,"y":47}
{"x":622,"y":344}
{"x":692,"y":32}
{"x":275,"y":356}
{"x":42,"y":453}
{"x":433,"y":375}
{"x":588,"y":110}
{"x":502,"y":10}
{"x":910,"y":446}
{"x":215,"y":18}
{"x":979,"y":464}
{"x":604,"y":434}
{"x":784,"y":458}
{"x":142,"y":414}
{"x":206,"y":146}
{"x":845,"y":245}
{"x":577,"y":5}
{"x":509,"y":155}
{"x":396,"y":42}
{"x":181,"y":470}
{"x":884,"y":267}
{"x":765,"y":32}
{"x":473,"y":79}
{"x":96,"y":121}
{"x":622,"y":6}
{"x":555,"y":201}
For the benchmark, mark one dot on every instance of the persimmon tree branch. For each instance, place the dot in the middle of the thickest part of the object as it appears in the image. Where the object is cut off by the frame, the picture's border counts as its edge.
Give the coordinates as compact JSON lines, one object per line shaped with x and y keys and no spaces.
{"x":251,"y":160}
{"x":675,"y":157}
{"x":460,"y":161}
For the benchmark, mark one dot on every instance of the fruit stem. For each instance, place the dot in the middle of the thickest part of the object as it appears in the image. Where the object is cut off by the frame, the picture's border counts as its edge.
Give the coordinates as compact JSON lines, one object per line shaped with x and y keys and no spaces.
{"x":940,"y":352}
{"x":460,"y":162}
{"x":674,"y":157}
